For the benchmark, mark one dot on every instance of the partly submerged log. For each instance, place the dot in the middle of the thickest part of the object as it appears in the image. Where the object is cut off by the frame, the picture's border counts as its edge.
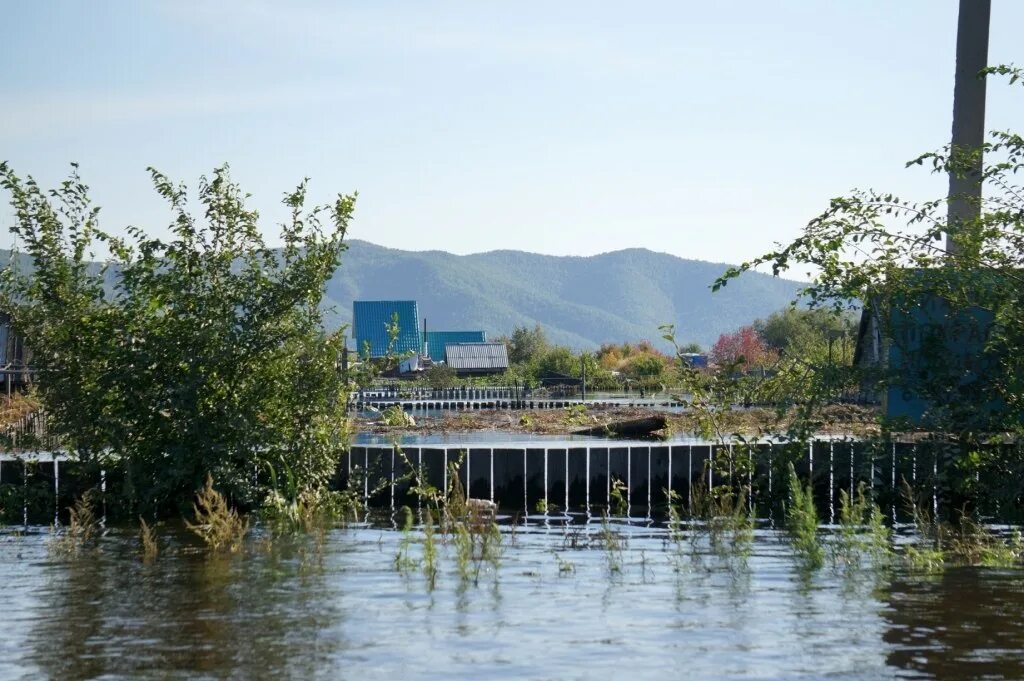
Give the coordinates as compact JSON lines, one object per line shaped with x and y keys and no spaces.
{"x":631,"y":428}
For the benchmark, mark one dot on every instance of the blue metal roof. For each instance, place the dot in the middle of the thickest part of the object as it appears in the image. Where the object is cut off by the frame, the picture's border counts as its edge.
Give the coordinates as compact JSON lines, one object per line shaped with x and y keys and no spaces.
{"x":370,"y":319}
{"x":436,"y":340}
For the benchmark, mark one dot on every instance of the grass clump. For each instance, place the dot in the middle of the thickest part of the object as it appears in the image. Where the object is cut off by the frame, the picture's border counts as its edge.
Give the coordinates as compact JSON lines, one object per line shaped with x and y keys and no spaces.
{"x":972,"y":544}
{"x":218,"y":525}
{"x":802,"y":524}
{"x":724,"y":518}
{"x":147,"y":536}
{"x":618,"y":497}
{"x":475,"y":534}
{"x":928,"y":554}
{"x":676,"y":536}
{"x":396,"y":417}
{"x":862,"y":532}
{"x":576,"y":415}
{"x":469,"y":523}
{"x":83,"y":525}
{"x":967,"y":543}
{"x":612,"y":543}
{"x":429,"y":550}
{"x":404,"y":562}
{"x":565,"y":567}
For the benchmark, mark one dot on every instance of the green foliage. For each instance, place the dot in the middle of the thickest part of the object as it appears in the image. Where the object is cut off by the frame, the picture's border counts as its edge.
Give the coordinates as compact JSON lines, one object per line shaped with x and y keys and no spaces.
{"x":675,"y":529}
{"x":802,"y":524}
{"x":613,"y":545}
{"x":559,"y":360}
{"x":527,"y":345}
{"x":794,"y":330}
{"x":710,"y":397}
{"x":83,"y":525}
{"x":576,"y":415}
{"x":618,"y":495}
{"x":148,"y":540}
{"x":216,"y":523}
{"x":396,"y":417}
{"x":727,"y":521}
{"x":862,"y":532}
{"x":203,"y":353}
{"x":404,"y":562}
{"x":429,"y":549}
{"x":440,"y":376}
{"x":967,"y":542}
{"x":887,"y":251}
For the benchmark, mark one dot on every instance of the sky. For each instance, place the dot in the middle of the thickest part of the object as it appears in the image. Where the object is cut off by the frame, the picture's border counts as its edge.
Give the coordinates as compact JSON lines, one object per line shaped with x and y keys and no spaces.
{"x":708,"y":130}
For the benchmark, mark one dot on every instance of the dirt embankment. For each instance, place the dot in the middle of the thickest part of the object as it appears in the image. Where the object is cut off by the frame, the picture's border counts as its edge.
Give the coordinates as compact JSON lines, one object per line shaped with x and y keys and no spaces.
{"x":838,"y":420}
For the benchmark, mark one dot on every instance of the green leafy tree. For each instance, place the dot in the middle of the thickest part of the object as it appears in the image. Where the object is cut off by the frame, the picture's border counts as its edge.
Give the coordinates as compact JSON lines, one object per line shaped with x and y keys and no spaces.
{"x":798,"y":328}
{"x":200,"y":354}
{"x":954,"y":319}
{"x":527,"y":345}
{"x":559,"y":360}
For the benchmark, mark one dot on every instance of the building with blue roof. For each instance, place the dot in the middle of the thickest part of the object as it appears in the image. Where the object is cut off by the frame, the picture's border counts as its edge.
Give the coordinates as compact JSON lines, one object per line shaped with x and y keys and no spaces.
{"x":370,"y":320}
{"x":437,"y":340}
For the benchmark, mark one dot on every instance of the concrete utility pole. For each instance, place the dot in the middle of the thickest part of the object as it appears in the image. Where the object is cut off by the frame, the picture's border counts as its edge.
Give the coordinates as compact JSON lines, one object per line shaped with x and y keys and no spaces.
{"x":968,"y":110}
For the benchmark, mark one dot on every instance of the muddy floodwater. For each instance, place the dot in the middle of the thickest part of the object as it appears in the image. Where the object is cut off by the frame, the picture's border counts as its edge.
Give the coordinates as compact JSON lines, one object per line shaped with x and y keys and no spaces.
{"x":557,"y":605}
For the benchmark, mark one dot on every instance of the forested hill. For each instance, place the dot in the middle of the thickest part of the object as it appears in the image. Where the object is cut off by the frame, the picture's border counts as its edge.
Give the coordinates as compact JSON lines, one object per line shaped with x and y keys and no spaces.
{"x":580,"y":301}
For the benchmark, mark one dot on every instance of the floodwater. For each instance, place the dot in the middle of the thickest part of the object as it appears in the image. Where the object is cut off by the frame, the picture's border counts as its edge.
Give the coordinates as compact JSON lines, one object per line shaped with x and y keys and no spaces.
{"x":553,"y":608}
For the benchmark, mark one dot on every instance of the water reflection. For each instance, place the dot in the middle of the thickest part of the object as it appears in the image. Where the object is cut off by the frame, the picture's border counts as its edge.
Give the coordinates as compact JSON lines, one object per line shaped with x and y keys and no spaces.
{"x":187,"y":614}
{"x":337,"y":608}
{"x":962,"y":624}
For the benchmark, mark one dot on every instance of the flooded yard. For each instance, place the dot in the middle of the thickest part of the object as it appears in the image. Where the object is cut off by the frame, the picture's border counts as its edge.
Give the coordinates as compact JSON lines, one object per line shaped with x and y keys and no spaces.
{"x":557,"y":604}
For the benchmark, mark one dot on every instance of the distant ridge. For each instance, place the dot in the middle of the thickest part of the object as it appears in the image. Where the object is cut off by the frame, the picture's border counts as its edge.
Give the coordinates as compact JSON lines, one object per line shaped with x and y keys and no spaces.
{"x":580,"y":301}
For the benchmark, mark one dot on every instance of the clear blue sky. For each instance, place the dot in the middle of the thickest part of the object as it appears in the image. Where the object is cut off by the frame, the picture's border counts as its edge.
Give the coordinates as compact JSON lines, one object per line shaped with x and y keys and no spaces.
{"x":707,"y":130}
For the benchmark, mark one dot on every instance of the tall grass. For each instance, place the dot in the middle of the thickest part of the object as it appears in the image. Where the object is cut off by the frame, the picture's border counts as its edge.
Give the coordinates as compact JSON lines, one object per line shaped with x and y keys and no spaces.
{"x":82,"y":527}
{"x":612,"y":543}
{"x":147,"y":536}
{"x":802,"y":523}
{"x":724,"y":519}
{"x":862,"y":532}
{"x":966,"y":543}
{"x":218,"y":525}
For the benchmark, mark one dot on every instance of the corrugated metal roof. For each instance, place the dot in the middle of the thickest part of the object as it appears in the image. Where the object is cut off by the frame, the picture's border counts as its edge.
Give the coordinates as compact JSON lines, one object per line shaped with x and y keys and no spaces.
{"x":370,"y":319}
{"x":476,"y":356}
{"x":436,"y":340}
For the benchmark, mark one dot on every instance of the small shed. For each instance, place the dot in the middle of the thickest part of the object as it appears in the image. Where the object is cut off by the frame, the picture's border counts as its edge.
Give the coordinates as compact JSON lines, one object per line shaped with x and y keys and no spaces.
{"x":477,"y":358}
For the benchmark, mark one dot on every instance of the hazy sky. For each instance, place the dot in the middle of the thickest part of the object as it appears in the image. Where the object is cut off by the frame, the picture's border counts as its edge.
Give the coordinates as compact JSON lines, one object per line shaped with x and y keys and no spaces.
{"x":708,"y":130}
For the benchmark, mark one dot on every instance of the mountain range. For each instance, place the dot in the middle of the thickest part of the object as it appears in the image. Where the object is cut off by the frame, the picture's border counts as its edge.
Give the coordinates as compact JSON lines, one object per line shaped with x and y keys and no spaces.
{"x":579,"y":301}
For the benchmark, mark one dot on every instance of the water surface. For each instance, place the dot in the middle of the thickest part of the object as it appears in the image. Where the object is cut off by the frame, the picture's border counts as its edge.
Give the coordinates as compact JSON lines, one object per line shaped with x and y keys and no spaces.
{"x":337,"y":608}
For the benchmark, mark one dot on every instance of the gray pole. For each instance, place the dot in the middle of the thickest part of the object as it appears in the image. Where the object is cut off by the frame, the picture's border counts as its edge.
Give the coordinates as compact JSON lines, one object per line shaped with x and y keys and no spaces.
{"x":968,"y":111}
{"x":583,"y":360}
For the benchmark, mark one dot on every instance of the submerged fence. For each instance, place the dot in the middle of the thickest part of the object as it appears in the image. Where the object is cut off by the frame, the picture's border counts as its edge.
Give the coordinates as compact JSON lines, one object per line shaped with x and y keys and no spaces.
{"x":576,"y":476}
{"x":573,"y":476}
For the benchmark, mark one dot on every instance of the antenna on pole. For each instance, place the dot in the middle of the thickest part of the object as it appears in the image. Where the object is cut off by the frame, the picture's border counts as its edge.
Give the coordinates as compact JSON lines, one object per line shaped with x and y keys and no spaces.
{"x":968,"y":113}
